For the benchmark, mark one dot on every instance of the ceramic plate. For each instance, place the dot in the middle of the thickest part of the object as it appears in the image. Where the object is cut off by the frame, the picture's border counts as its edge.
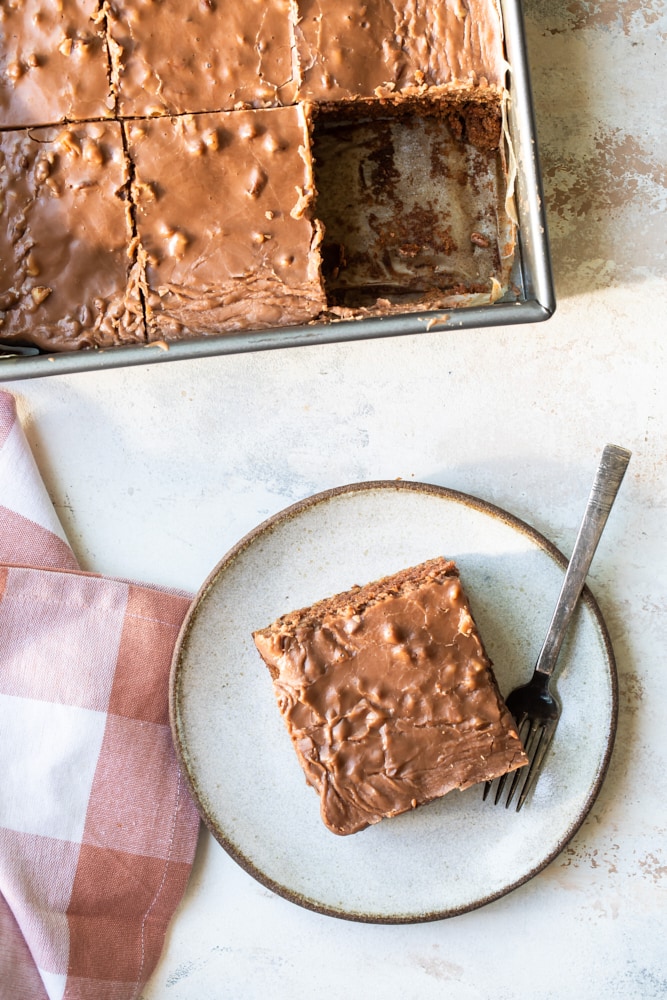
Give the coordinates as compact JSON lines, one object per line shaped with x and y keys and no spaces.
{"x":444,"y":858}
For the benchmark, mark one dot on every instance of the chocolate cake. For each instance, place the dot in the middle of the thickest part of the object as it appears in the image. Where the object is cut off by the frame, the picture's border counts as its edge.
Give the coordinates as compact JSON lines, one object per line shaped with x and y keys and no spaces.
{"x":222,"y":210}
{"x":398,"y":50}
{"x":53,"y":63}
{"x":373,"y":131}
{"x":389,"y":697}
{"x":69,"y":268}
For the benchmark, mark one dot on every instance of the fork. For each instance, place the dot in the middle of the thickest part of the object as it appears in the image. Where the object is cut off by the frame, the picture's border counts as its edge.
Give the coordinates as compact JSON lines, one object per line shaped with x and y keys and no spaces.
{"x":536,"y":709}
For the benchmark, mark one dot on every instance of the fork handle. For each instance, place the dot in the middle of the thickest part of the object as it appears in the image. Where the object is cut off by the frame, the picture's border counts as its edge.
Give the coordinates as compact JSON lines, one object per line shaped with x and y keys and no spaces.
{"x":608,"y":479}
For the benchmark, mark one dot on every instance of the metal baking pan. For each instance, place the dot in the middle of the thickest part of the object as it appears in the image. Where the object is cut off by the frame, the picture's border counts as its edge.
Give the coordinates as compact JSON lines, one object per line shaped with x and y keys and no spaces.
{"x":532,"y":299}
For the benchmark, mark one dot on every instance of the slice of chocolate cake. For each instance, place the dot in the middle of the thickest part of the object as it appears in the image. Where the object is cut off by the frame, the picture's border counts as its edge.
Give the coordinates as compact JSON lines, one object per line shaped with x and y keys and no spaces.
{"x":223,"y":208}
{"x":183,"y":56}
{"x":53,"y":63}
{"x":399,"y":50}
{"x":389,"y":697}
{"x":69,"y":274}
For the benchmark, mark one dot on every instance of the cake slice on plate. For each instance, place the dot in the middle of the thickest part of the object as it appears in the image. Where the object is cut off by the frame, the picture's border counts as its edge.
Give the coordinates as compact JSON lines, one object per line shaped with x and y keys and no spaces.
{"x":389,"y":697}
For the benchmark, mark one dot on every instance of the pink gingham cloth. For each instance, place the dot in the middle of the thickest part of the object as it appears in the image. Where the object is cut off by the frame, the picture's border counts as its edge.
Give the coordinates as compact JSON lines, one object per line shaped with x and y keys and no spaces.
{"x":97,"y":830}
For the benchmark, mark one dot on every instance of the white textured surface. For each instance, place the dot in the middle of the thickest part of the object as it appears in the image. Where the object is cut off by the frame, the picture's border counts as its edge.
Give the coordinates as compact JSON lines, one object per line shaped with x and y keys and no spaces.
{"x":156,"y":472}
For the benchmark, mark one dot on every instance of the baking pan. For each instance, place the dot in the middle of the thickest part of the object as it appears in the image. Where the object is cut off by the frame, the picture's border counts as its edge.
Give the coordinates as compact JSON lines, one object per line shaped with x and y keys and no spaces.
{"x":530,"y":300}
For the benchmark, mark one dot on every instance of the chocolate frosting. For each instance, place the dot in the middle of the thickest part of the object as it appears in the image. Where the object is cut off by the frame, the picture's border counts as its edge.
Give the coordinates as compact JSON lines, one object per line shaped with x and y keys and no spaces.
{"x":199,"y":55}
{"x":223,"y":215}
{"x":397,"y":48}
{"x":68,"y":273}
{"x":389,"y":697}
{"x":53,"y":63}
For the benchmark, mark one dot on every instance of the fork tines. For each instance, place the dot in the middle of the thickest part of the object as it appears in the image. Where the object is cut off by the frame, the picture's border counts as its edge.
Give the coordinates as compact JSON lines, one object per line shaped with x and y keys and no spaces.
{"x":536,"y":736}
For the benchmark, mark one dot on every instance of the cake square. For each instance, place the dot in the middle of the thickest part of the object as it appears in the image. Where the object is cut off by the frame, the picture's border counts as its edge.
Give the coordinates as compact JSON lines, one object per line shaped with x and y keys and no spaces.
{"x":221,"y":229}
{"x":69,"y":276}
{"x":53,"y":63}
{"x":183,"y":56}
{"x":389,"y":697}
{"x":397,"y":49}
{"x":223,"y":214}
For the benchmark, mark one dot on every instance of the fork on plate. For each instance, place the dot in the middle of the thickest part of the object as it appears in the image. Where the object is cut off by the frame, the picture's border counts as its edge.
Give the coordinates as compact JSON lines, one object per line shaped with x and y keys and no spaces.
{"x":536,"y":709}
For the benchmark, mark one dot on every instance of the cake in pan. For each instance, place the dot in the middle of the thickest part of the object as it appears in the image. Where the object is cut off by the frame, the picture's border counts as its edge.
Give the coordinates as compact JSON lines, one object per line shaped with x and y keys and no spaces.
{"x":389,"y":697}
{"x":70,"y":271}
{"x":223,"y":206}
{"x":227,"y":167}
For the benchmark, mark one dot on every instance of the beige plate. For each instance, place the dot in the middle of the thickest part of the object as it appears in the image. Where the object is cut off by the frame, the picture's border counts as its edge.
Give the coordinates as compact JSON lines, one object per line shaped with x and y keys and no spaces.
{"x":454,"y":854}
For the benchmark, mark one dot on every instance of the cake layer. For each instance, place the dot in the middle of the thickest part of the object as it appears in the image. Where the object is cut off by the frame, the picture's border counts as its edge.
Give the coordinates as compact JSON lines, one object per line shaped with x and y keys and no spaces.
{"x":223,"y":213}
{"x":68,"y":273}
{"x":397,"y":49}
{"x":389,"y":697}
{"x":53,"y":63}
{"x":180,"y":56}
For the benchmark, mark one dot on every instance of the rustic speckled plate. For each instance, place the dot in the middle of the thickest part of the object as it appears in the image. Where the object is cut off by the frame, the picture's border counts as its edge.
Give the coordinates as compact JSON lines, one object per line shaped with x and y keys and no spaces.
{"x":447,"y":857}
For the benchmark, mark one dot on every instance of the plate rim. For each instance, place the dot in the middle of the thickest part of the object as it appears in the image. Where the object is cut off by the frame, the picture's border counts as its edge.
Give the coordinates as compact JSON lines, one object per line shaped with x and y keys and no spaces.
{"x":292,"y":511}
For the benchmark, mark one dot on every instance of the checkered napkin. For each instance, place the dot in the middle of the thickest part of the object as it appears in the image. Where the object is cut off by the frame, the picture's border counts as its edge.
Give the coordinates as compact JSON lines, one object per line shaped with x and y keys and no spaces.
{"x":97,"y":831}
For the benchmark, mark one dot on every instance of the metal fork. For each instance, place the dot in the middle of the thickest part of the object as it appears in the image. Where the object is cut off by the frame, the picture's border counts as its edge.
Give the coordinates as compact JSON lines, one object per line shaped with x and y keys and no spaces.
{"x":534,"y":706}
